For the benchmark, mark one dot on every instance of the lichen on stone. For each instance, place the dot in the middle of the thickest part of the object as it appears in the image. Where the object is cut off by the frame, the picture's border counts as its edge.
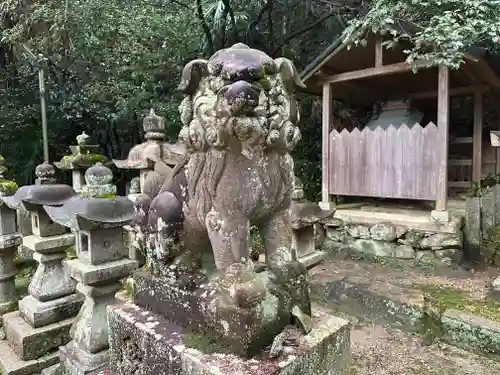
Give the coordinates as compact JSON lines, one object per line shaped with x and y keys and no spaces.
{"x":7,"y":187}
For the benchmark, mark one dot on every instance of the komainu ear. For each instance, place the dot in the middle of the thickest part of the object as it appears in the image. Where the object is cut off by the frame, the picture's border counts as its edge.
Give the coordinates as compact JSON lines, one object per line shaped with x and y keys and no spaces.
{"x":192,"y":74}
{"x":289,"y":73}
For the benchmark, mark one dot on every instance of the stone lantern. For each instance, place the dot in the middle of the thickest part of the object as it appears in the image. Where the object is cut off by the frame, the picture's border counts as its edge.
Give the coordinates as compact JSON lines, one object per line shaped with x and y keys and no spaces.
{"x":47,"y":313}
{"x":96,"y":218}
{"x":154,"y":155}
{"x":83,"y":155}
{"x":306,"y":218}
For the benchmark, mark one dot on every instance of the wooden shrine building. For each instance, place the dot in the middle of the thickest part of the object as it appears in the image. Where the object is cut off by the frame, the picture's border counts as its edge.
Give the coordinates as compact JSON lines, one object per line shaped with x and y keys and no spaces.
{"x":411,"y":147}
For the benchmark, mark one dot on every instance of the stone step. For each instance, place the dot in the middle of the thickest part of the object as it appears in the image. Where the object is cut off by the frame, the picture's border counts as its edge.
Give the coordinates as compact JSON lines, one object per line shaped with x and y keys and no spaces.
{"x":449,"y":306}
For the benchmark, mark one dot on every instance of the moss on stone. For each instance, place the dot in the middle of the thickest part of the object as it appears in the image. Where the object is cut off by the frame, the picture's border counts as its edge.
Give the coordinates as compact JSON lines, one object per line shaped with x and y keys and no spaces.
{"x":206,"y":343}
{"x":106,"y":196}
{"x":84,"y":160}
{"x":93,"y":158}
{"x":450,"y":298}
{"x":71,"y":252}
{"x":8,"y":187}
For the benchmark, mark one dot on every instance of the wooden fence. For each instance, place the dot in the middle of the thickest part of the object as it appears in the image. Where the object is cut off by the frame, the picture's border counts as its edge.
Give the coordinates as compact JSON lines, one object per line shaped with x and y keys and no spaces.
{"x":393,"y":163}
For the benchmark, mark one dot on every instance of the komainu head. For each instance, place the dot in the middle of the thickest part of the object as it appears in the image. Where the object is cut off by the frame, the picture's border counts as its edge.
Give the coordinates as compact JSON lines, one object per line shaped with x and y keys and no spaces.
{"x":240,"y":98}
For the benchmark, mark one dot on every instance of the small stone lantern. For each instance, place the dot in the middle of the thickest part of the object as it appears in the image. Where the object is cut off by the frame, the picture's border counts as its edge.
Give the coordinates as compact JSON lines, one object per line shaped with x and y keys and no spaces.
{"x":83,"y":155}
{"x":97,"y":218}
{"x":305,"y":216}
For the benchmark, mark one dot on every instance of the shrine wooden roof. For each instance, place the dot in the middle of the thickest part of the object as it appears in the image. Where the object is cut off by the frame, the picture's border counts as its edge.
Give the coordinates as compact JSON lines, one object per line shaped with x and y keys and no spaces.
{"x":364,"y":74}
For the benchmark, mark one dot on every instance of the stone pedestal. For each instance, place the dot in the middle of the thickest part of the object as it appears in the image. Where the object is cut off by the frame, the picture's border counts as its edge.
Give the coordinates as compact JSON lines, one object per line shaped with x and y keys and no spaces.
{"x":45,"y":316}
{"x":88,"y":351}
{"x":246,"y":322}
{"x":145,"y":343}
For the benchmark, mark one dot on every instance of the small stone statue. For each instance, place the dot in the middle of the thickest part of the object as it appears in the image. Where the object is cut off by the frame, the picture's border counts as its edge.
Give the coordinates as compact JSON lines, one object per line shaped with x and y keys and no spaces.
{"x":82,"y":139}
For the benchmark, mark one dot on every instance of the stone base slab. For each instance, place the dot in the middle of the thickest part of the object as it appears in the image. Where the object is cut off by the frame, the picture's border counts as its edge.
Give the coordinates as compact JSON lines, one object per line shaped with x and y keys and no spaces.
{"x":470,"y":332}
{"x":39,"y":314}
{"x":31,"y":343}
{"x":313,"y":259}
{"x":309,"y":261}
{"x":75,"y":361}
{"x":411,"y":219}
{"x":89,"y":274}
{"x":11,"y":364}
{"x":145,"y":343}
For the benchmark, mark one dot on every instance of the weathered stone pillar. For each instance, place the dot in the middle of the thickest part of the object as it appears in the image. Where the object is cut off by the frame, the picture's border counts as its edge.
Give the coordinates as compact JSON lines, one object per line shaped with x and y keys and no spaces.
{"x":97,"y":219}
{"x":46,"y":315}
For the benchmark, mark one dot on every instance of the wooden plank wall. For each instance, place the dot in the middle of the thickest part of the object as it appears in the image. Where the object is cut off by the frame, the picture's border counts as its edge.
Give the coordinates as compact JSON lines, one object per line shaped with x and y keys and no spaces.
{"x":393,"y":163}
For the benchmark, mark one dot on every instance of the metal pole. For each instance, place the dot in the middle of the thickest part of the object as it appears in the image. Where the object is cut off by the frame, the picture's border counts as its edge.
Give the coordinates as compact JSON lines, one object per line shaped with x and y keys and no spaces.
{"x":41,"y":85}
{"x":45,"y":138}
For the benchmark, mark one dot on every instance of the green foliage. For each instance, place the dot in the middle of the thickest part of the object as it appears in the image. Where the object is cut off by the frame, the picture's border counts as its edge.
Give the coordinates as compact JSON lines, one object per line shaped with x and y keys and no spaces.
{"x":490,"y":246}
{"x":440,"y":31}
{"x":107,"y":63}
{"x":480,"y":188}
{"x":103,"y":73}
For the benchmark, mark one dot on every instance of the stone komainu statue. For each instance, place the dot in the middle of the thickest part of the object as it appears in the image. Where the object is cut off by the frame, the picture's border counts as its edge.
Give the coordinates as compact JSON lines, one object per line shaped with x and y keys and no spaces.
{"x":239,"y":120}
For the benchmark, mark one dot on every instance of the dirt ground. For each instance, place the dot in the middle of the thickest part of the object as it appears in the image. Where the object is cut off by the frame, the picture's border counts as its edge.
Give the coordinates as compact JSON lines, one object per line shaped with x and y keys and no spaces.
{"x":384,"y":351}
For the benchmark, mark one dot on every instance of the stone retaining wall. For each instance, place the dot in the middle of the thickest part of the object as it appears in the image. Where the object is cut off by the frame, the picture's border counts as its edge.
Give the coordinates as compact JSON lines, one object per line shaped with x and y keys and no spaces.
{"x":388,"y":240}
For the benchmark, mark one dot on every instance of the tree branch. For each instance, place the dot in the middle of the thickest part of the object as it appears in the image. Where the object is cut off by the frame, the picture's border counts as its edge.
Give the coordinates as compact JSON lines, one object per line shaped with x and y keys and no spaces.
{"x":204,"y":25}
{"x":259,"y":18}
{"x":270,"y":19}
{"x":180,"y":3}
{"x":229,"y":9}
{"x":303,"y":30}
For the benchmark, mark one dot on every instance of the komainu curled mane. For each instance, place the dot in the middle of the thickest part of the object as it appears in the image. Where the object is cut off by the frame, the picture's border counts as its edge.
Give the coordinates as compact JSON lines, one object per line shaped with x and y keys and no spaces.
{"x":239,"y":120}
